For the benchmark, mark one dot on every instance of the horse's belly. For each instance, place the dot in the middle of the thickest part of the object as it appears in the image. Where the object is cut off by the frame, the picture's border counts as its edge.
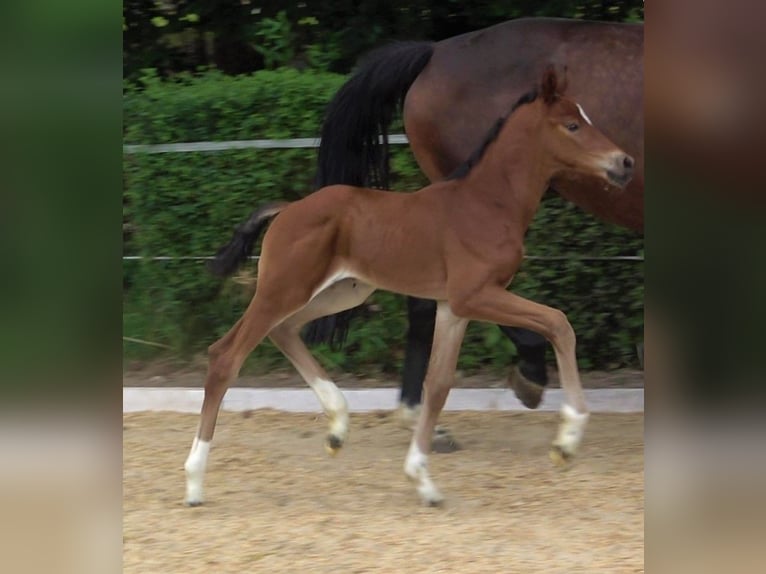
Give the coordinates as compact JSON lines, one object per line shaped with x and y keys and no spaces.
{"x":405,"y":277}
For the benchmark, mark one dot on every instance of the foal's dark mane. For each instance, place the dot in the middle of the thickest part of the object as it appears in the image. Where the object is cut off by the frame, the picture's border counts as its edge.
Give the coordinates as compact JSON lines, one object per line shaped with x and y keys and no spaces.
{"x":464,"y":169}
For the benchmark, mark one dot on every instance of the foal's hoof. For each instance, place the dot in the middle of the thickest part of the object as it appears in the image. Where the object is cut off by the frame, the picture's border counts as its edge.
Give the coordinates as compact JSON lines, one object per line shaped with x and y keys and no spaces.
{"x":530,"y":394}
{"x":559,"y":456}
{"x":333,"y":444}
{"x":431,"y":497}
{"x":193,"y":503}
{"x":434,"y":502}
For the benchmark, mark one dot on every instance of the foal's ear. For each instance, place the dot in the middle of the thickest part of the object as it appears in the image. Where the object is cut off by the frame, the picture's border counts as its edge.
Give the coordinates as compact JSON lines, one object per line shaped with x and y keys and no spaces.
{"x":553,"y":84}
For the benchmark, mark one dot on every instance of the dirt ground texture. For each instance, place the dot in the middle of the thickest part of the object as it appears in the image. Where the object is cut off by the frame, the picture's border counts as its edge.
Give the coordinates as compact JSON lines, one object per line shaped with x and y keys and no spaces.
{"x":276,"y":502}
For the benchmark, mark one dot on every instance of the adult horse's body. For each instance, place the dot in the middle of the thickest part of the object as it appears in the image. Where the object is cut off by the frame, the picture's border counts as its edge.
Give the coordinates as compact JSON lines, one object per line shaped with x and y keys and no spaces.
{"x":329,"y":251}
{"x":452,"y":91}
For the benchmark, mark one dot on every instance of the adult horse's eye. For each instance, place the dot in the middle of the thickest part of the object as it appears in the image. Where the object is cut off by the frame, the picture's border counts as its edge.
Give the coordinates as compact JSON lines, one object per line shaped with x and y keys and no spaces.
{"x":573,"y":127}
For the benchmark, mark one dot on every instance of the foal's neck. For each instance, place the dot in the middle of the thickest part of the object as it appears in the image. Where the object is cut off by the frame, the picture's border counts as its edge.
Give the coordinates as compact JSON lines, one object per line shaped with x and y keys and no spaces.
{"x":513,"y":175}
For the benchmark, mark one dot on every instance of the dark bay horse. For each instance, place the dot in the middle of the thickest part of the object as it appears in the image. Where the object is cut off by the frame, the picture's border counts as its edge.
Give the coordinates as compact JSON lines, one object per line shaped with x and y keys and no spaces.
{"x":451,"y":91}
{"x":329,"y":251}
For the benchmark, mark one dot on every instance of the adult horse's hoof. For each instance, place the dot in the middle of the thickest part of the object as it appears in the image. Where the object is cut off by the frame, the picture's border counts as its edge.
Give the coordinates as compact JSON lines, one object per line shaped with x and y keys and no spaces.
{"x":559,"y":456}
{"x":530,"y":394}
{"x":193,"y":503}
{"x":443,"y":441}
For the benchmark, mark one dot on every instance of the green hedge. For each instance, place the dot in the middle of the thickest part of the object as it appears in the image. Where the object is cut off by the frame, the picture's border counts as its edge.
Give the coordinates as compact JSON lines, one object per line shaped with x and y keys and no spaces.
{"x":188,"y":203}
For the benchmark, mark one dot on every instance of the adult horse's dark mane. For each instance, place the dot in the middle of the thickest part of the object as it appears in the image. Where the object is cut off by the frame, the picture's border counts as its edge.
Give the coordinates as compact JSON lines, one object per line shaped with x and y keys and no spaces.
{"x":465,"y":168}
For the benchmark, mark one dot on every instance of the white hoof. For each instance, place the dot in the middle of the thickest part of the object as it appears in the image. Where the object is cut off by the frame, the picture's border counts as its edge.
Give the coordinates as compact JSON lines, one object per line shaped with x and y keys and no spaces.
{"x":195,"y":472}
{"x":570,"y":433}
{"x":416,"y":468}
{"x":335,"y":407}
{"x":429,"y":494}
{"x":194,"y":495}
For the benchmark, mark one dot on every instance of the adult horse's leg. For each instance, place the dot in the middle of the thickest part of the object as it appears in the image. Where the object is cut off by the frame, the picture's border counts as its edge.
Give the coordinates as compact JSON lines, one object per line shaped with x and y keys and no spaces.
{"x":421,"y":314}
{"x":529,"y":378}
{"x":496,"y":305}
{"x":448,"y":336}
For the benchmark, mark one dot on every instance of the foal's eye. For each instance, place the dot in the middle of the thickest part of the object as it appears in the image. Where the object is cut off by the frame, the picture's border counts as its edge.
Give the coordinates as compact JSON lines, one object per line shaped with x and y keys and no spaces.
{"x":573,"y":127}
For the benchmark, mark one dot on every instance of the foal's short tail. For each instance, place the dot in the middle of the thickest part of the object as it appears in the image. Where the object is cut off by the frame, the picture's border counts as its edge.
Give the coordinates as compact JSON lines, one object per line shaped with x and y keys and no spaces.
{"x":354,"y":148}
{"x":229,"y":257}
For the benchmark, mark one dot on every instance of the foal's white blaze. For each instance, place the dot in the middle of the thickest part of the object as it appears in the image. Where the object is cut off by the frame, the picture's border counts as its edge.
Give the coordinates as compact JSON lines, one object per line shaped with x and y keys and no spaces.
{"x":334,"y":404}
{"x":571,"y":429}
{"x":416,"y":467}
{"x":584,"y":115}
{"x":195,"y":470}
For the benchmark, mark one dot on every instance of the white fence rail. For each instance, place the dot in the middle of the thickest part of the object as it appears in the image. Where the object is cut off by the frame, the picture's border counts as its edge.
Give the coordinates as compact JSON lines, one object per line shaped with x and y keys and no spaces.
{"x":185,"y":147}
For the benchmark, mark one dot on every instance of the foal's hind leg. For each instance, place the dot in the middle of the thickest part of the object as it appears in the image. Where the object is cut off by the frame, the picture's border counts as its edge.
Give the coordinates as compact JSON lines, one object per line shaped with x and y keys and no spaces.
{"x":225,"y":360}
{"x":448,"y":336}
{"x":338,"y":297}
{"x":287,"y":339}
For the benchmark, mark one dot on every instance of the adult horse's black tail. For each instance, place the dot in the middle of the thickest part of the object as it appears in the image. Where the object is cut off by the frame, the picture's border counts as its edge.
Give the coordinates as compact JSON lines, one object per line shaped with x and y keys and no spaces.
{"x":357,"y":118}
{"x":354,"y":148}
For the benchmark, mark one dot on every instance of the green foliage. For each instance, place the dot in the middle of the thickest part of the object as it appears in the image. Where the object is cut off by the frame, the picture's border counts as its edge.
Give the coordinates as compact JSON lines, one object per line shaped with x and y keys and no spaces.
{"x":187,"y":204}
{"x":603,"y":299}
{"x":275,"y":40}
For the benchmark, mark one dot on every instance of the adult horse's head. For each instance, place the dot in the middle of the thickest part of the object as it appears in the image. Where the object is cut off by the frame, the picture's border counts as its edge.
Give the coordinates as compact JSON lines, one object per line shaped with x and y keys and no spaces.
{"x":574,"y":144}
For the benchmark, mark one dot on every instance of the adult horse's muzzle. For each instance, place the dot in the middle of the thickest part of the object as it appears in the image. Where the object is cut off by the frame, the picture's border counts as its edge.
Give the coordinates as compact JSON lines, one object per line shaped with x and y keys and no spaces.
{"x":620,"y":172}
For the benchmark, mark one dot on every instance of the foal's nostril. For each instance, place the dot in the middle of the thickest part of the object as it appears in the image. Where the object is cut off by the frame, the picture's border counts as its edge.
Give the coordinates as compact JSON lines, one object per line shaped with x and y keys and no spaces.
{"x":627,"y":162}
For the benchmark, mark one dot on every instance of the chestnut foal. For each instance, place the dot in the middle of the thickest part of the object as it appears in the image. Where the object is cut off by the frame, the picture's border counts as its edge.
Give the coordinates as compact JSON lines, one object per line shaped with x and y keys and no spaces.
{"x":458,"y":242}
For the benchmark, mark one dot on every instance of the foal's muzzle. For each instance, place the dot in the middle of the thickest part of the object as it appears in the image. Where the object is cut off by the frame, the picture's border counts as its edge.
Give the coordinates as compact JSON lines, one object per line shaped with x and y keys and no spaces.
{"x":620,"y":169}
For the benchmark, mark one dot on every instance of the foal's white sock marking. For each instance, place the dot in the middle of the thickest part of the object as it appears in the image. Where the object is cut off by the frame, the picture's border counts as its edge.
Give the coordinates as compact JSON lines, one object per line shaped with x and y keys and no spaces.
{"x":571,"y":429}
{"x":416,"y":467}
{"x":584,"y":115}
{"x":195,"y":470}
{"x":334,"y":404}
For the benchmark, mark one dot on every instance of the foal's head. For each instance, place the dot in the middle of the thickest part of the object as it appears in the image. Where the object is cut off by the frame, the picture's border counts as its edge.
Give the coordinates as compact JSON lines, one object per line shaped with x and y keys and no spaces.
{"x":573,"y":143}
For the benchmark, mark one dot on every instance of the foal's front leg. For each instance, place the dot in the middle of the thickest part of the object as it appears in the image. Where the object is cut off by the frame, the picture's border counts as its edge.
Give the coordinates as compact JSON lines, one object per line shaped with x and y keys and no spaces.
{"x":495,"y":304}
{"x":448,"y":336}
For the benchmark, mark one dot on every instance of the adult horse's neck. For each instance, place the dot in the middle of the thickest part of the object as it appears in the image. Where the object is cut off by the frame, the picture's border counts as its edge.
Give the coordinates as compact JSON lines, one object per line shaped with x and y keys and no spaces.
{"x":511,"y":177}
